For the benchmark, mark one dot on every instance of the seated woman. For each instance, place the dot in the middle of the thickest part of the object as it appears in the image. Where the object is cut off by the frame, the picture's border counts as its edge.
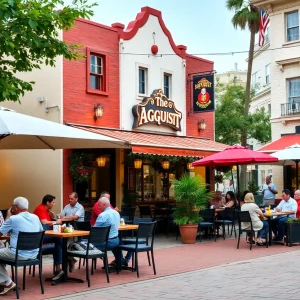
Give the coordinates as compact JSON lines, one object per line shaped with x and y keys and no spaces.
{"x":258,"y":220}
{"x":217,"y":200}
{"x":230,"y":200}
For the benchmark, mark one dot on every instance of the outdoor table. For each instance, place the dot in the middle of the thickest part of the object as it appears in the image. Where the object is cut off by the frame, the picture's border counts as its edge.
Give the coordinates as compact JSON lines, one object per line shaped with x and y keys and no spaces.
{"x":65,"y":236}
{"x":269,"y":217}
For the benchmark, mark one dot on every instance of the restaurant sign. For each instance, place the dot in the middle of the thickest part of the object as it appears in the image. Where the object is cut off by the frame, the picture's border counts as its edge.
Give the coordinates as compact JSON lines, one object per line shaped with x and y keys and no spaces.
{"x":203,"y":93}
{"x":157,"y":109}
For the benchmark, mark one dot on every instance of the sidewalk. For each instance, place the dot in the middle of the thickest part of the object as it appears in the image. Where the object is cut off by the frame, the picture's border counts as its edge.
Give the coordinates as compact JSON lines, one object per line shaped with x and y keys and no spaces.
{"x":261,"y":278}
{"x":169,"y":261}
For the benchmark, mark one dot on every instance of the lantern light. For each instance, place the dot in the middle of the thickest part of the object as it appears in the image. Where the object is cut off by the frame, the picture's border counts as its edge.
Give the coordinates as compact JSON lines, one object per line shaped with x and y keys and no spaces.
{"x":137,"y":163}
{"x":101,"y":161}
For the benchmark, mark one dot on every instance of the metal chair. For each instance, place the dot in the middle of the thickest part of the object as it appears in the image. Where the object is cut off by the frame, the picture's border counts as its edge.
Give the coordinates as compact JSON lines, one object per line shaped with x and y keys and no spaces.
{"x":145,"y":210}
{"x":97,"y":235}
{"x":128,"y":211}
{"x":208,"y":216}
{"x":26,"y":241}
{"x":145,"y":231}
{"x":226,"y":218}
{"x":244,"y":216}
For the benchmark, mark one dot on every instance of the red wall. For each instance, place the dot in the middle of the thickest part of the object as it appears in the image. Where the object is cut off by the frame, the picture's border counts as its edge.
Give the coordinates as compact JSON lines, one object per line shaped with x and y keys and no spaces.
{"x":78,"y":105}
{"x":193,"y":65}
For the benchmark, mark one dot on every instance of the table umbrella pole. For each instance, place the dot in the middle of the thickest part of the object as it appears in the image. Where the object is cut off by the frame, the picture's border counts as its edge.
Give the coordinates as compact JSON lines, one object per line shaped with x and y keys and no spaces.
{"x":297,"y":163}
{"x":238,"y":181}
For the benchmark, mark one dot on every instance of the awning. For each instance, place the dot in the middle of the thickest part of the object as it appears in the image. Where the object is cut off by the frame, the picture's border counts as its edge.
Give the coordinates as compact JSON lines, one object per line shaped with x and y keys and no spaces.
{"x":159,"y":144}
{"x":280,"y":144}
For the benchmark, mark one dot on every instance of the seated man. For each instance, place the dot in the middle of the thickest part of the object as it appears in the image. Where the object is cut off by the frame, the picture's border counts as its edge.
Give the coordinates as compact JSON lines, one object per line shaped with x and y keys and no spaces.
{"x":287,"y":204}
{"x":74,"y":211}
{"x":96,"y":210}
{"x":46,"y":216}
{"x":21,"y":221}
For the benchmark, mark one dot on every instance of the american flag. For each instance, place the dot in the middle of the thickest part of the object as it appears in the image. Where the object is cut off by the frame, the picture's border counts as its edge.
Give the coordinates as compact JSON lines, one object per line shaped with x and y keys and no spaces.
{"x":264,"y":22}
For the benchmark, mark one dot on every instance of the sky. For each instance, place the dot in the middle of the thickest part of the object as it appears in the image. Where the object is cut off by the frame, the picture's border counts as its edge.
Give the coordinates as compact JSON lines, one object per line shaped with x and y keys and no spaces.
{"x":203,"y":26}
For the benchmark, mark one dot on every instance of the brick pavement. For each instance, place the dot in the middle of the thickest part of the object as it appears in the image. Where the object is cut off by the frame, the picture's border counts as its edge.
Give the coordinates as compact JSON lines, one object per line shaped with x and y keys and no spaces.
{"x":269,"y":277}
{"x":169,"y":261}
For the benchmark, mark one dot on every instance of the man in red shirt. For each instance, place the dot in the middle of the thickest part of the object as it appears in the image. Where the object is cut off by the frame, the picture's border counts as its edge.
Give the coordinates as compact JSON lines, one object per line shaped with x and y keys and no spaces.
{"x":47,"y":218}
{"x":297,"y":198}
{"x":96,"y":210}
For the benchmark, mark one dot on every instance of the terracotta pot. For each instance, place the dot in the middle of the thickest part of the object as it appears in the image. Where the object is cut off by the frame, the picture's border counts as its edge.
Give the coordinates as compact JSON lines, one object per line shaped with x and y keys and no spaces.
{"x":188,"y":233}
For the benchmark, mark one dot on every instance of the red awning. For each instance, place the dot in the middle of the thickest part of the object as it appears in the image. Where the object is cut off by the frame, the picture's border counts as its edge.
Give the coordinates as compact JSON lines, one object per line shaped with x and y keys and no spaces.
{"x":159,"y":144}
{"x":282,"y":143}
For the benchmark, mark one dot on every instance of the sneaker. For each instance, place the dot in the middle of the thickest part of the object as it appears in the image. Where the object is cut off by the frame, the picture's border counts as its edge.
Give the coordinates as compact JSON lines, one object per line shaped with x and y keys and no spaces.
{"x":72,"y":262}
{"x":125,"y":263}
{"x":58,"y":275}
{"x":113,"y":264}
{"x":7,"y":288}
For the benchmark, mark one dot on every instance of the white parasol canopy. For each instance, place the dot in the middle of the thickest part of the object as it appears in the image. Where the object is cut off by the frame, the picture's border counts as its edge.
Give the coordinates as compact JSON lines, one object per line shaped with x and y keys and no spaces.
{"x":19,"y":131}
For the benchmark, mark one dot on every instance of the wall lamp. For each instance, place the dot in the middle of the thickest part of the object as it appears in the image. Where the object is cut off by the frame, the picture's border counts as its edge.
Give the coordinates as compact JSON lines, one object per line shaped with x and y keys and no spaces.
{"x":201,"y":125}
{"x":98,"y":110}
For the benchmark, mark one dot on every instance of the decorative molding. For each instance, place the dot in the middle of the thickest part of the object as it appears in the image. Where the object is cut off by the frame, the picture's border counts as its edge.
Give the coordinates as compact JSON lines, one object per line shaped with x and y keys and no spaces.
{"x":285,"y":62}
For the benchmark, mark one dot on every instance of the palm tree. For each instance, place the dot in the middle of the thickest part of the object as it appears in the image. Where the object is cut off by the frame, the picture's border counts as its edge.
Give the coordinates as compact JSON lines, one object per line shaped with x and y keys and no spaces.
{"x":246,"y":15}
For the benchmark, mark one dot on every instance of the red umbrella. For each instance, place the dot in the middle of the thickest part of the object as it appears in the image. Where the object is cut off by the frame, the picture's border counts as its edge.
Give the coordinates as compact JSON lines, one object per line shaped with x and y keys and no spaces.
{"x":235,"y":155}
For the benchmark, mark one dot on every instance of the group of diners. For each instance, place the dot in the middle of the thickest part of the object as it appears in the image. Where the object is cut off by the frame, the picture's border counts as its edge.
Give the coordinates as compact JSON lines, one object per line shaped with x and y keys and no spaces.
{"x":260,"y":224}
{"x":19,"y":219}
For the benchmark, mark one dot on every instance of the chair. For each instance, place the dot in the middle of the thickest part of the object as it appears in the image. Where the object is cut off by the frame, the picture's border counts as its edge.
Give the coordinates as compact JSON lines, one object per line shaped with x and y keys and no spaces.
{"x":87,"y":215}
{"x":226,"y":218}
{"x":208,"y":216}
{"x":97,"y":235}
{"x":85,"y":226}
{"x":145,"y":210}
{"x":137,"y":221}
{"x":128,"y":211}
{"x":4,"y":213}
{"x":244,"y":216}
{"x":145,"y":231}
{"x":26,"y":241}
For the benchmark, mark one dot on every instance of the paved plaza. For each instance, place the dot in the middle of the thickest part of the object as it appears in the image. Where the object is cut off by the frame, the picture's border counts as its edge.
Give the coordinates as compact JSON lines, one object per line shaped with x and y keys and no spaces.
{"x":271,"y":277}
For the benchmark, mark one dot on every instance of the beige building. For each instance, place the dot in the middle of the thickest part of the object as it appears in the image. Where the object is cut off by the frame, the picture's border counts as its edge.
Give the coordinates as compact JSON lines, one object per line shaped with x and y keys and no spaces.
{"x":284,"y":69}
{"x":236,"y":75}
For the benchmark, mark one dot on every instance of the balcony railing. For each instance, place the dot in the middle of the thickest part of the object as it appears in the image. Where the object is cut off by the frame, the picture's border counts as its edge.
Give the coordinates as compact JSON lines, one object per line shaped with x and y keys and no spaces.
{"x":292,"y":108}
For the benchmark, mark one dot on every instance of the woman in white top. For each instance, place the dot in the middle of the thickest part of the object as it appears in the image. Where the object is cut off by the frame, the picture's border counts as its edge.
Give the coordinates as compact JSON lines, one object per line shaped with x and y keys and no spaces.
{"x":258,"y":220}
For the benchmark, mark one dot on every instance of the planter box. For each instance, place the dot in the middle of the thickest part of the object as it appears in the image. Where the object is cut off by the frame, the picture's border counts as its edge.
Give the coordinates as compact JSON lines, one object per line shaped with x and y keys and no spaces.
{"x":293,"y":233}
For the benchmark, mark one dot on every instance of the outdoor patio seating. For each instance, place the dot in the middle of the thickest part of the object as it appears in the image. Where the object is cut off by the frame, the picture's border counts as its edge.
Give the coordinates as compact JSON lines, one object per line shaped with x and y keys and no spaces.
{"x":145,"y":231}
{"x":208,"y":216}
{"x":26,"y":241}
{"x":226,"y":217}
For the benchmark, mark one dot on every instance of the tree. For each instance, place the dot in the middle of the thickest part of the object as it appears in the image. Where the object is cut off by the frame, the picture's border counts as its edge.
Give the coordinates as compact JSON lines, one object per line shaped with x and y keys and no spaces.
{"x":30,"y":37}
{"x":231,"y":124}
{"x":246,"y":15}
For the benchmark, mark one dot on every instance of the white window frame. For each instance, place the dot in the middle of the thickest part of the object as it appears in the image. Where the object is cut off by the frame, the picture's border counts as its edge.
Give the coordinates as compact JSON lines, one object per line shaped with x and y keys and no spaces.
{"x":287,"y":28}
{"x":169,"y":83}
{"x":267,"y":35}
{"x":268,"y":74}
{"x":164,"y":72}
{"x":296,"y":98}
{"x":140,"y":96}
{"x":254,"y":82}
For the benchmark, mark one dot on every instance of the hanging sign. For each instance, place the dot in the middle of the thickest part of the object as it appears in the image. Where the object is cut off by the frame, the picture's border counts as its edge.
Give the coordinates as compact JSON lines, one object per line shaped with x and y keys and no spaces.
{"x":203,"y":93}
{"x":157,"y":109}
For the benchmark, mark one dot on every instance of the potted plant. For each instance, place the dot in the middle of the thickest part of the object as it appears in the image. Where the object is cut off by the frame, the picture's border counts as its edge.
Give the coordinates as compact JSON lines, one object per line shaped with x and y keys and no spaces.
{"x":293,"y":231}
{"x":191,"y":195}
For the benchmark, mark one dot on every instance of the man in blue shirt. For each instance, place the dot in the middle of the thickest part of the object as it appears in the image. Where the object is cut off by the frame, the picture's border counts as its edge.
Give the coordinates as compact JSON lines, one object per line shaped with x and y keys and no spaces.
{"x":74,"y":211}
{"x":289,"y":205}
{"x":109,"y":217}
{"x":21,"y":221}
{"x":269,"y":192}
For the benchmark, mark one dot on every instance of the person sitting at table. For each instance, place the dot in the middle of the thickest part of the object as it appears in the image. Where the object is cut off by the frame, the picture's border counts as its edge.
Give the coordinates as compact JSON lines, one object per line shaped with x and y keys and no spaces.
{"x":46,"y":216}
{"x":73,"y":211}
{"x":242,"y":201}
{"x":21,"y":221}
{"x":217,"y":200}
{"x":288,"y":205}
{"x":230,"y":200}
{"x":111,"y":217}
{"x":96,"y":210}
{"x":258,"y":220}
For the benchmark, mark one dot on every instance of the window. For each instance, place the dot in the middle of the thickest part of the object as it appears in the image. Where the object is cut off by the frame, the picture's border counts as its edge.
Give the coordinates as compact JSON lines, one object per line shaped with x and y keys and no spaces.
{"x":96,"y":73}
{"x":142,"y":81}
{"x":294,"y":90}
{"x":167,"y":84}
{"x":268,"y":79}
{"x":254,"y":79}
{"x":267,"y":35}
{"x":269,"y":109}
{"x":292,"y":26}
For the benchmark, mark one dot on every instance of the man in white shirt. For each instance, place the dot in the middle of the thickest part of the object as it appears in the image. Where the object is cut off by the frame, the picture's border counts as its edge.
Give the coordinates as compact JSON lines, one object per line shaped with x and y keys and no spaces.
{"x":287,"y":204}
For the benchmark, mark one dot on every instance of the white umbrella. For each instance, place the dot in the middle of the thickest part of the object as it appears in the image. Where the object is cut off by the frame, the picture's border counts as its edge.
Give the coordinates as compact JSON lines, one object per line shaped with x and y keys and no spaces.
{"x":289,"y":156}
{"x":19,"y":131}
